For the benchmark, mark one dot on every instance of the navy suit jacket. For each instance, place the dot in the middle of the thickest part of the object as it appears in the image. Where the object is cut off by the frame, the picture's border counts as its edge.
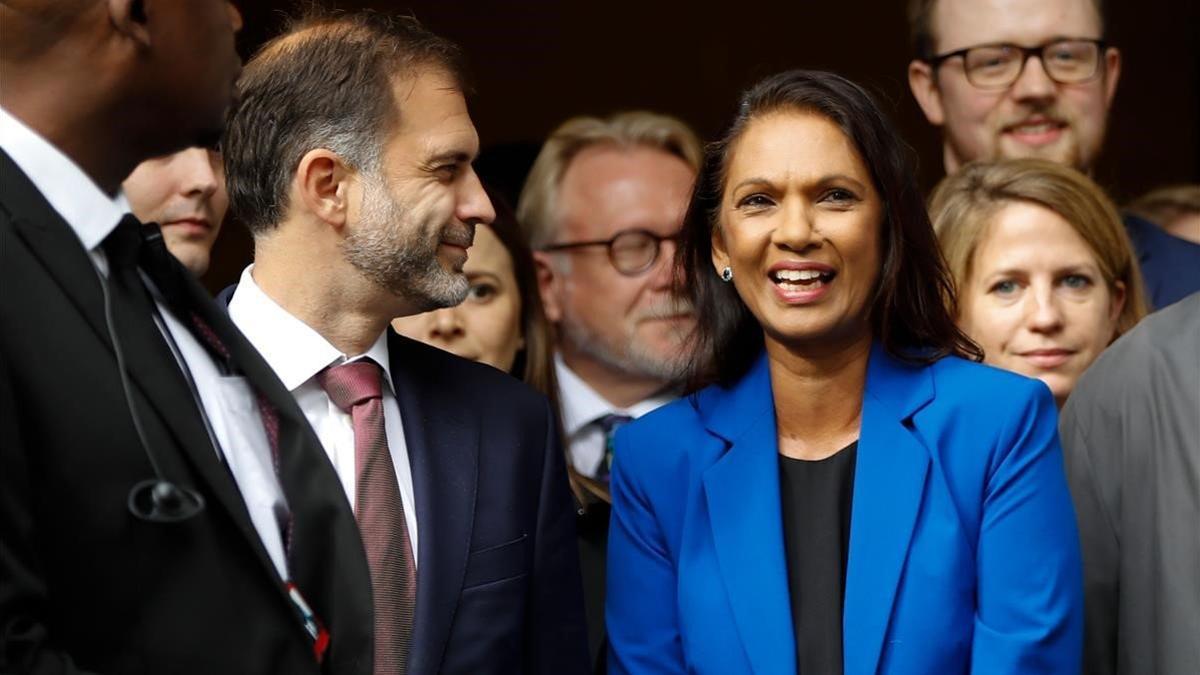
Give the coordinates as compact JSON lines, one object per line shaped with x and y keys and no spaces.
{"x":1170,"y":265}
{"x":963,"y":557}
{"x":498,"y":586}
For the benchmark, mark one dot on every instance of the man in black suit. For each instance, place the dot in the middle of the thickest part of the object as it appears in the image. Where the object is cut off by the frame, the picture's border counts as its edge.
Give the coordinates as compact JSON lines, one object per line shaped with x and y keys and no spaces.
{"x":349,"y":158}
{"x":164,"y":506}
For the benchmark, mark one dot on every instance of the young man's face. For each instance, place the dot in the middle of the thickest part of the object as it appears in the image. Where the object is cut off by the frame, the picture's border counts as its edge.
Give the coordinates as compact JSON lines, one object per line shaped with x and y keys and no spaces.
{"x":1035,"y":116}
{"x":185,"y":194}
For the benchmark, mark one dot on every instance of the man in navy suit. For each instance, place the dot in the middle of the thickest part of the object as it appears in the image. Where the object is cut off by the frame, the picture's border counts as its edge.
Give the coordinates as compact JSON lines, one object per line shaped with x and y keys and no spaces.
{"x":349,"y":158}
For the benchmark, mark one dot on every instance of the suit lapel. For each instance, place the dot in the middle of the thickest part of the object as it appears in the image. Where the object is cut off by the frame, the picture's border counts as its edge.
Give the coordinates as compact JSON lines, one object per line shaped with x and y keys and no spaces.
{"x":742,"y":492}
{"x":55,"y":245}
{"x":889,"y":484}
{"x":325,"y":554}
{"x":443,"y":452}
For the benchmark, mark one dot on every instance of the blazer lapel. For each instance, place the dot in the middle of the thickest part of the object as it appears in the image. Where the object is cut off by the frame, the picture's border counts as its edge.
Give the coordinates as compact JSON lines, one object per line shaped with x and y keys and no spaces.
{"x":55,"y":245}
{"x":889,"y":483}
{"x":325,"y":556}
{"x":443,"y":452}
{"x":742,"y":491}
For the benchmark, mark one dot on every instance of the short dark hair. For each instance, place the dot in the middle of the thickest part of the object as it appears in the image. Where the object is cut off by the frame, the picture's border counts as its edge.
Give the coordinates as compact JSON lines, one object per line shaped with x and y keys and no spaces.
{"x":326,"y":82}
{"x":920,"y":26}
{"x":909,"y":311}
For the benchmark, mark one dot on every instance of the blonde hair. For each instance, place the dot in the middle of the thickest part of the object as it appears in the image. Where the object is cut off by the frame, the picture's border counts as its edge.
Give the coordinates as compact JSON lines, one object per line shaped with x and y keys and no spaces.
{"x":1164,"y":204}
{"x":964,"y":204}
{"x":536,"y":207}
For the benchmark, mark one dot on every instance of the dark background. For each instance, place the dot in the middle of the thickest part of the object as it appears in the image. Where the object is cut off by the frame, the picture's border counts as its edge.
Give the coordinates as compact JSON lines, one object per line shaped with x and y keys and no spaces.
{"x":535,"y":63}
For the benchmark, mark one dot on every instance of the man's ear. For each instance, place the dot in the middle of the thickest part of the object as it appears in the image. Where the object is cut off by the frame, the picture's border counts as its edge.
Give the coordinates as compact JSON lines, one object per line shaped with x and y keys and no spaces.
{"x":324,"y":185}
{"x":131,"y":19}
{"x":549,"y":281}
{"x":1112,"y":73}
{"x":923,"y":83}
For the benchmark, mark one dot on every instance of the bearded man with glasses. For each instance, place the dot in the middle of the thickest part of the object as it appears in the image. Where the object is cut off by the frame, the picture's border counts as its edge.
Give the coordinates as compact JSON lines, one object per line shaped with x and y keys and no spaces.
{"x":1032,"y":78}
{"x":973,"y":78}
{"x":602,"y":206}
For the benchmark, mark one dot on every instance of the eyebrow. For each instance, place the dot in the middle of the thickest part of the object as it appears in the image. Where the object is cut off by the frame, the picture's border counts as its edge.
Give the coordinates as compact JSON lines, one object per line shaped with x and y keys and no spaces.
{"x":454,"y":156}
{"x":823,"y":180}
{"x":1073,"y":267}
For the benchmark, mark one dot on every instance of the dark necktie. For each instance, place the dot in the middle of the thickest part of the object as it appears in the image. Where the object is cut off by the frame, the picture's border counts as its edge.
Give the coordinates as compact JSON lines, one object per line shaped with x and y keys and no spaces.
{"x":132,"y":244}
{"x":609,"y":425}
{"x":356,"y":388}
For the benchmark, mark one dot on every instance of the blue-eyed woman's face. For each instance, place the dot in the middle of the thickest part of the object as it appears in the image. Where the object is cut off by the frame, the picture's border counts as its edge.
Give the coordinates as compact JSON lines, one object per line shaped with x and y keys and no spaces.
{"x":1036,"y":299}
{"x":799,"y":224}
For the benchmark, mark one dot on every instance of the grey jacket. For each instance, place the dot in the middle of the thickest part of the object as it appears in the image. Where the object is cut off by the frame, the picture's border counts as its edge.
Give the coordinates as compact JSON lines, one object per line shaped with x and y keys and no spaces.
{"x":1131,"y":438}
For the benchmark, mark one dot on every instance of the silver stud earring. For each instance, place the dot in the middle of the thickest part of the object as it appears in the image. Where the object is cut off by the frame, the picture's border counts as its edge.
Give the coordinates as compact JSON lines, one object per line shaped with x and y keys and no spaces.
{"x":727,"y":274}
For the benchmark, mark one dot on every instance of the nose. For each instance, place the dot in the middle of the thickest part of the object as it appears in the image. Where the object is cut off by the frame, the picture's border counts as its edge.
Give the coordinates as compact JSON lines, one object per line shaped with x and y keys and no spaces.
{"x":445,"y":325}
{"x":199,"y":175}
{"x":796,"y":227}
{"x":1045,"y":313}
{"x":473,"y":204}
{"x":1033,"y":83}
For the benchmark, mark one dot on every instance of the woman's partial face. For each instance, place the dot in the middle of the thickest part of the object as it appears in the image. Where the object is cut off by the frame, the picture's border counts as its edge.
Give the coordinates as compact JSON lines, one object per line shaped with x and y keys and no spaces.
{"x":800,"y":227}
{"x":1035,"y":300}
{"x":486,"y":327}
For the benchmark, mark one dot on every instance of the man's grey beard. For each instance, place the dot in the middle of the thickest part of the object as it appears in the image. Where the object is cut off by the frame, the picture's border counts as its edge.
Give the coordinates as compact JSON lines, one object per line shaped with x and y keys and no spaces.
{"x":634,"y":358}
{"x":398,"y":256}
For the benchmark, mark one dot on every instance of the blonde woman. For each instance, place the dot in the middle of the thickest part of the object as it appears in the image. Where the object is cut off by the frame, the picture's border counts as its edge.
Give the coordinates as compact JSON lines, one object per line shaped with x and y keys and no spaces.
{"x":1045,"y":273}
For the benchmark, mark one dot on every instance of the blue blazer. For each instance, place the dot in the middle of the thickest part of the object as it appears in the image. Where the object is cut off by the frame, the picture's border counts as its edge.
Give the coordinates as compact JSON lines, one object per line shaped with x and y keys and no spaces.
{"x":963,"y":557}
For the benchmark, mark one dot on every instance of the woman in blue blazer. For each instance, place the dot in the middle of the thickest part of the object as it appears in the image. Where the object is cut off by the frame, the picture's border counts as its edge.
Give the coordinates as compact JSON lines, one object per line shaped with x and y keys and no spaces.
{"x":850,"y":491}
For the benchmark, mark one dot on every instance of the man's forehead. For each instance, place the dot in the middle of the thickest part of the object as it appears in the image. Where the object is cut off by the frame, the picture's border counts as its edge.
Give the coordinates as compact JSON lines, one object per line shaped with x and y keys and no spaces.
{"x":957,"y":24}
{"x":610,"y":188}
{"x":433,"y":115}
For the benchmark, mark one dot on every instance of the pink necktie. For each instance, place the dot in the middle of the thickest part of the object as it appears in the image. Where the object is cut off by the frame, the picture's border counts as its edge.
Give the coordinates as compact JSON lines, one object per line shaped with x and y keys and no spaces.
{"x":355,"y":388}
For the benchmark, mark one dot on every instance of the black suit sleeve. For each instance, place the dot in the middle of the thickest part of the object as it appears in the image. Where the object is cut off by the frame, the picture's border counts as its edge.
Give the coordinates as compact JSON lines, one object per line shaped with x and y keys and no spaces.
{"x":24,"y":637}
{"x":556,"y":632}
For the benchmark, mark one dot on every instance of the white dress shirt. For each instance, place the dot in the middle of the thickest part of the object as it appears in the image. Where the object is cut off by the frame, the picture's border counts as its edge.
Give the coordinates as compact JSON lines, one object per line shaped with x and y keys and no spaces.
{"x":582,"y":406}
{"x":297,"y":353}
{"x":228,"y":401}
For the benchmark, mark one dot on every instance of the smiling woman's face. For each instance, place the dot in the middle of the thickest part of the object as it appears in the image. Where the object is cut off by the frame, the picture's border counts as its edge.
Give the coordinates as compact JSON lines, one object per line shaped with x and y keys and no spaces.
{"x":800,"y":227}
{"x":486,"y":327}
{"x":1036,"y":300}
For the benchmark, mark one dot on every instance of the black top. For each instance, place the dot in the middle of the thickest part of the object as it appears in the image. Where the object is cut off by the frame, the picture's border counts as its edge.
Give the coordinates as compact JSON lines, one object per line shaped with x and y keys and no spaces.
{"x":816,"y":498}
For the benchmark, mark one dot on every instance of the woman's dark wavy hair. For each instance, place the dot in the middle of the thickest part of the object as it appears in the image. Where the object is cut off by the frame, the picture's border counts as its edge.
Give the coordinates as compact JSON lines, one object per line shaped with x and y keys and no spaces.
{"x":912,"y":312}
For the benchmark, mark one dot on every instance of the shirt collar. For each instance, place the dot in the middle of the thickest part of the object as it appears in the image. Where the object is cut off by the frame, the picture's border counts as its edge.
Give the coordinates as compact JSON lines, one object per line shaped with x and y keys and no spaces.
{"x":75,"y":196}
{"x":582,"y":405}
{"x":291,"y":347}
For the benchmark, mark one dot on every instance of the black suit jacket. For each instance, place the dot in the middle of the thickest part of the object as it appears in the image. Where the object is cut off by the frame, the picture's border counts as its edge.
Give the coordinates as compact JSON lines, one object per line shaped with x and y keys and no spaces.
{"x":84,"y":585}
{"x":498,"y":582}
{"x":592,"y":521}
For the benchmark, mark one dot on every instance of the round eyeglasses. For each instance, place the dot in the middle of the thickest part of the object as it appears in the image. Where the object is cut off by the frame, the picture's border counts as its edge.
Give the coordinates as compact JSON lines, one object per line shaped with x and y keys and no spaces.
{"x":631,"y":252}
{"x":997,"y":66}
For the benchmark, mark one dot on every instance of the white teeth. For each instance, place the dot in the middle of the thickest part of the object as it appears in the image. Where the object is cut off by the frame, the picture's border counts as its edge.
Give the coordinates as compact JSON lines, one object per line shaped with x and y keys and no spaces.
{"x":1037,"y":128}
{"x":797,"y":275}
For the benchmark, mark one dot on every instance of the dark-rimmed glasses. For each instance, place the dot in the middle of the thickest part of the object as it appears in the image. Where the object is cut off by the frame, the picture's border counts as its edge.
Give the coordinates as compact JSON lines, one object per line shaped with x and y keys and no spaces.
{"x":997,"y":66}
{"x":631,"y":252}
